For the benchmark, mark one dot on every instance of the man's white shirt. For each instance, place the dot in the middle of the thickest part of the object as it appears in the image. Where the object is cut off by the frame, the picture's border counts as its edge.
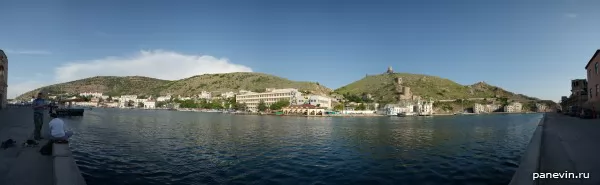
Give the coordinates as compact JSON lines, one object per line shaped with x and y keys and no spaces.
{"x":57,"y":127}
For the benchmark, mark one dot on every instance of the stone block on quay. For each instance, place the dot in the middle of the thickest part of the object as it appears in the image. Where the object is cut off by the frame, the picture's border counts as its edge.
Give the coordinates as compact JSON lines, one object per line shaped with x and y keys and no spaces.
{"x":66,"y":172}
{"x":61,"y":150}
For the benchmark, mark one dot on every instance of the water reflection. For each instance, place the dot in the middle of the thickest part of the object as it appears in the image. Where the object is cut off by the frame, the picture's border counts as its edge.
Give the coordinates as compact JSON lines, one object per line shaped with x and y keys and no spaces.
{"x":164,"y":147}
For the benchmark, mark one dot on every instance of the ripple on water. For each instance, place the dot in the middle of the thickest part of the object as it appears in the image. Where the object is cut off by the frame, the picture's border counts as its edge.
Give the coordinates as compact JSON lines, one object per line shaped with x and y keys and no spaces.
{"x":191,"y":148}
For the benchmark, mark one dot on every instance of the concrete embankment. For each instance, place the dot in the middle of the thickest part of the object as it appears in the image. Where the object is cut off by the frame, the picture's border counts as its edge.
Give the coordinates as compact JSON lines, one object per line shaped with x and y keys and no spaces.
{"x":20,"y":165}
{"x":530,"y":160}
{"x":66,"y":171}
{"x":563,"y":150}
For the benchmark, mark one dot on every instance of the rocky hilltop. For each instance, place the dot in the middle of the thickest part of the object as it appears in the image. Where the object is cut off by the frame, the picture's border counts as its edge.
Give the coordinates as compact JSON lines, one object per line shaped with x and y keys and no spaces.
{"x":391,"y":87}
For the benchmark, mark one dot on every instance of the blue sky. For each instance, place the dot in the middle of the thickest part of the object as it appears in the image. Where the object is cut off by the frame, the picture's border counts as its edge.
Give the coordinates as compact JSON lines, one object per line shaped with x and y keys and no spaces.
{"x":531,"y":47}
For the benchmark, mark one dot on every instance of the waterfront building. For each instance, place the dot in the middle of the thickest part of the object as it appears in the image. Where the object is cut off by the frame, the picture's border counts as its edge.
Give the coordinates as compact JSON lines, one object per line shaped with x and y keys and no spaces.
{"x":481,"y":108}
{"x":304,"y":109}
{"x":123,"y":100}
{"x":540,"y":107}
{"x":358,"y":112}
{"x":270,"y":96}
{"x":85,"y":104}
{"x":593,"y":78}
{"x":401,"y":107}
{"x":163,"y":98}
{"x":228,"y":95}
{"x":150,"y":104}
{"x":91,"y":94}
{"x":316,"y":100}
{"x":513,"y":107}
{"x":424,"y":108}
{"x":205,"y":95}
{"x":3,"y":79}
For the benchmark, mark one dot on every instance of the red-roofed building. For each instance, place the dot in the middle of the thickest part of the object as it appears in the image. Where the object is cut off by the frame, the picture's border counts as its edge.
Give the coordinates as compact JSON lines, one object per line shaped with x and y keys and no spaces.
{"x":304,"y":109}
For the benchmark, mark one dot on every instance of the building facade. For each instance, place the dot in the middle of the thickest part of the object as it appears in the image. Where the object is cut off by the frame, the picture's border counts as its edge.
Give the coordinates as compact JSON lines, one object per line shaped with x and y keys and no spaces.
{"x":163,"y":98}
{"x":270,"y":96}
{"x":150,"y":104}
{"x":513,"y":107}
{"x":228,"y":95}
{"x":481,"y":108}
{"x":124,"y":100}
{"x":3,"y":79}
{"x":593,"y":79}
{"x":425,"y":108}
{"x":305,"y":109}
{"x":316,"y":100}
{"x":91,"y":94}
{"x":205,"y":95}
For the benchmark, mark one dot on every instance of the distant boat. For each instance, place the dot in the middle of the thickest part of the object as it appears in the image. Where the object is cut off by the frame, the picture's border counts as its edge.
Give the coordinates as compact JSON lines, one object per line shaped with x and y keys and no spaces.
{"x":405,"y":114}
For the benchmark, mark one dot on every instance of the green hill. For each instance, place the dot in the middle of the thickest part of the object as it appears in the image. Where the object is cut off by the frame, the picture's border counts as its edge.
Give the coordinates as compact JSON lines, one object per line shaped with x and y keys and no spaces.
{"x":225,"y":82}
{"x":383,"y":88}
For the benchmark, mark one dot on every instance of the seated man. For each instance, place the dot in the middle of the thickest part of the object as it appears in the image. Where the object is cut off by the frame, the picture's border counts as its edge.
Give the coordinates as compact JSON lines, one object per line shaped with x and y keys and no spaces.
{"x":57,"y":129}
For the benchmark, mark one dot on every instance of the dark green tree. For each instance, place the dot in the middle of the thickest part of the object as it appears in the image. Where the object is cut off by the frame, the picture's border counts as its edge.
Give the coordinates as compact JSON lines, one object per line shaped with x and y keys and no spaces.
{"x":280,"y":104}
{"x":161,"y":104}
{"x":262,"y":106}
{"x":361,"y":107}
{"x":130,"y":103}
{"x":338,"y":107}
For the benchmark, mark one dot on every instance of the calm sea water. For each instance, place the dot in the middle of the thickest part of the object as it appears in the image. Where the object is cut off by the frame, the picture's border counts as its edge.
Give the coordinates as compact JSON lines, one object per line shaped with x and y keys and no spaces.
{"x":164,"y":147}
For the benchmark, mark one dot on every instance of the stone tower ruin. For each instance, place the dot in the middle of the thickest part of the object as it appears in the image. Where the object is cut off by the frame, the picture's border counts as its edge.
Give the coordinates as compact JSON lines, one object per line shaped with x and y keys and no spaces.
{"x":389,"y":70}
{"x":402,"y":91}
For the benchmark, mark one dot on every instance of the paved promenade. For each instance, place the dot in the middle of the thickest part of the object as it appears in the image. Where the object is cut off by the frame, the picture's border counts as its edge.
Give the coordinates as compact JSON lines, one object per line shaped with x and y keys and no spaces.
{"x":23,"y":165}
{"x":570,"y":144}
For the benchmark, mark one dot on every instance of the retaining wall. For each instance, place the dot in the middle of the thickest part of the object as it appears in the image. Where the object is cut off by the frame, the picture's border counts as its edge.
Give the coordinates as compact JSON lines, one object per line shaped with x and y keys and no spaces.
{"x":530,"y":161}
{"x":66,"y":171}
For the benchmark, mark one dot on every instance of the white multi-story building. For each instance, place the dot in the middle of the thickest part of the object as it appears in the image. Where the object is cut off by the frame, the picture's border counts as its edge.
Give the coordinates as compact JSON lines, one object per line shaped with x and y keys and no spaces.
{"x":91,"y":94}
{"x":513,"y":107}
{"x":228,"y":95}
{"x":316,"y":100}
{"x":149,"y":105}
{"x":424,"y":108}
{"x":183,"y":98}
{"x":163,"y":98}
{"x":205,"y":95}
{"x":252,"y":99}
{"x":123,"y":100}
{"x":394,"y":109}
{"x":481,"y":108}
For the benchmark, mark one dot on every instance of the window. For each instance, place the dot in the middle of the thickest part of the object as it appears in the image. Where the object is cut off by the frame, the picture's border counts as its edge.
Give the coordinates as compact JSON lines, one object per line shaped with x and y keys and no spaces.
{"x":597,"y":90}
{"x":596,"y":67}
{"x":590,"y":92}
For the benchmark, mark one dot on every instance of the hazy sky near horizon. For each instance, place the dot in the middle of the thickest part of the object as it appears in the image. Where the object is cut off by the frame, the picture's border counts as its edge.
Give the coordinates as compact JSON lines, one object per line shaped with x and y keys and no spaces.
{"x":530,"y":47}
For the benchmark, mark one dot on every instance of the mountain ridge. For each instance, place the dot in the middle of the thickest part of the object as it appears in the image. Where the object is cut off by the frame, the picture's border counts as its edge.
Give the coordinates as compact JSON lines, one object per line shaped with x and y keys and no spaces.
{"x":221,"y":82}
{"x":381,"y":86}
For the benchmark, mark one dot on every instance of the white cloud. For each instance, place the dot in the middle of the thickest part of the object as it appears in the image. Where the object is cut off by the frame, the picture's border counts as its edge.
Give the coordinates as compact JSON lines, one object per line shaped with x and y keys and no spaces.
{"x":28,"y":52}
{"x":571,"y":15}
{"x":15,"y":90}
{"x":160,"y":64}
{"x":157,"y":64}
